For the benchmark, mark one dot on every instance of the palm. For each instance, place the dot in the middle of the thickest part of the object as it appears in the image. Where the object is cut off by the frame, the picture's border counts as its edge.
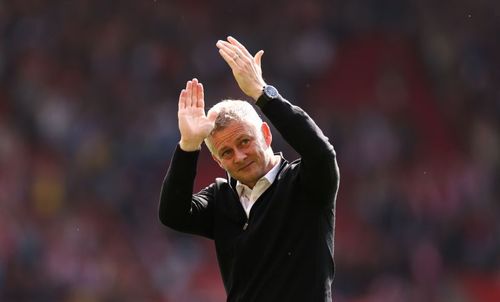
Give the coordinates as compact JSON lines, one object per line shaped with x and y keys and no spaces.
{"x":194,"y":125}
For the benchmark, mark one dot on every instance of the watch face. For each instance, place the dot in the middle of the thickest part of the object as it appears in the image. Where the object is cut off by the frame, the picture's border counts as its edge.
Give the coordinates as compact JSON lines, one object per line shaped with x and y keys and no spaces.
{"x":271,"y":92}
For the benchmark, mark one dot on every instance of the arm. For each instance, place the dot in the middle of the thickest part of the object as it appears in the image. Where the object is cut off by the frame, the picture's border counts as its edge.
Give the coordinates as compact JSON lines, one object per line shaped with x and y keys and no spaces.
{"x":179,"y":208}
{"x":319,"y":170}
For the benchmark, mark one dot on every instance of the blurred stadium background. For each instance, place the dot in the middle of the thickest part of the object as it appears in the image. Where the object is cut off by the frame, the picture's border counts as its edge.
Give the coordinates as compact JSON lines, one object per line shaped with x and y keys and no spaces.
{"x":408,"y":92}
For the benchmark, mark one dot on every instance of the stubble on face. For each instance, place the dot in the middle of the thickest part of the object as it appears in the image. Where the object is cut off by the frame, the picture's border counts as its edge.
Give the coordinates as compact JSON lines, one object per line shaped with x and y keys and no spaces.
{"x":246,"y":163}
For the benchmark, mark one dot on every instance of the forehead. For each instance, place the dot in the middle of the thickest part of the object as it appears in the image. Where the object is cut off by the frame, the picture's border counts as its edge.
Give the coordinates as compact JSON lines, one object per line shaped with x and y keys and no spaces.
{"x":232,"y":132}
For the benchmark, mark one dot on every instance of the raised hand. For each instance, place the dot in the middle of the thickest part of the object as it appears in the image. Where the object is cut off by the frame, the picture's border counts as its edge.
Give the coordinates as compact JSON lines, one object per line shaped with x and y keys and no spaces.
{"x":246,"y":68}
{"x":194,"y":125}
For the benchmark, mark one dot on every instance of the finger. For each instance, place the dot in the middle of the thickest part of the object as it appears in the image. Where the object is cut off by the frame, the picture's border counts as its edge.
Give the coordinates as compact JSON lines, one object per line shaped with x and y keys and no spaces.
{"x":240,"y":46}
{"x":233,"y":50}
{"x":228,"y":58}
{"x":182,"y":99}
{"x":258,"y":57}
{"x":201,"y":96}
{"x":194,"y":95}
{"x":189,"y":89}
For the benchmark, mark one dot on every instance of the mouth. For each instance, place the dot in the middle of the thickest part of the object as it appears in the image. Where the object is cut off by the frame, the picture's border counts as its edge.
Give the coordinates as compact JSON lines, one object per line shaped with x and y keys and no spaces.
{"x":246,"y":166}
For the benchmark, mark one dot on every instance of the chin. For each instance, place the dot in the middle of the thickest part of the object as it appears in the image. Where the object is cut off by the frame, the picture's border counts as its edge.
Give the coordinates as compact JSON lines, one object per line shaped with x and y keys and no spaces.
{"x":247,"y":180}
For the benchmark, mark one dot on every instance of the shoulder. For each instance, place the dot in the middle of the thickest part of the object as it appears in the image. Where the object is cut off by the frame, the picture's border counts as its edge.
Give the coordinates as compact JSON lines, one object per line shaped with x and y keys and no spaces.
{"x":219,"y":181}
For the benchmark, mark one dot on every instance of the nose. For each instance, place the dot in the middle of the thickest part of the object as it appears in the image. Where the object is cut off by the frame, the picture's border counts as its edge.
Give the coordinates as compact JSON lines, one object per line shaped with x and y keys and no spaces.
{"x":239,"y":156}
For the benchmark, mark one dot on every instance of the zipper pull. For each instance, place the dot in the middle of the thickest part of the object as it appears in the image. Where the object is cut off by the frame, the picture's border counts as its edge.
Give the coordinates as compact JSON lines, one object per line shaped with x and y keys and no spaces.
{"x":245,"y":226}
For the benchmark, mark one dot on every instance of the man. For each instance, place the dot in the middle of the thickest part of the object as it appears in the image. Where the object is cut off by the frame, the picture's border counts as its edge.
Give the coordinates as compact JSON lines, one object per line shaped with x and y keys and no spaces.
{"x":272,"y":221}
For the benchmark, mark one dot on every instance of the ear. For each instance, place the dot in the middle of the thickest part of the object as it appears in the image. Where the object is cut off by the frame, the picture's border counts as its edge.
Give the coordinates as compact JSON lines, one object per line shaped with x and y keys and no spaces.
{"x":217,"y":161}
{"x":266,"y":132}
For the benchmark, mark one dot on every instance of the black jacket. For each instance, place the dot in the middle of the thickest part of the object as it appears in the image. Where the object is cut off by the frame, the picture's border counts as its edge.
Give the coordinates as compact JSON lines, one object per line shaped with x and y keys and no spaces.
{"x":284,"y":252}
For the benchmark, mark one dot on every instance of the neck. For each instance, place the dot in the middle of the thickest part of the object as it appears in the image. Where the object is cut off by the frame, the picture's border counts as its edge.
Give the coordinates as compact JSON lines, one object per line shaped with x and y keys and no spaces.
{"x":272,"y":160}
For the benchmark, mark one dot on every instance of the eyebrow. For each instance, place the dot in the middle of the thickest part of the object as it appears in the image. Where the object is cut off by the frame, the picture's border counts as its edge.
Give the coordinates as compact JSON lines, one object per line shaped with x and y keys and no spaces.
{"x":238,"y":139}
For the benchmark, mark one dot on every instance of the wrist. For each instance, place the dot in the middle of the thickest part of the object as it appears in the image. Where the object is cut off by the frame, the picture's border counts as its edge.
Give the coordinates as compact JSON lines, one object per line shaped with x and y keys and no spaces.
{"x":257,"y":92}
{"x":268,"y":94}
{"x":189,"y":146}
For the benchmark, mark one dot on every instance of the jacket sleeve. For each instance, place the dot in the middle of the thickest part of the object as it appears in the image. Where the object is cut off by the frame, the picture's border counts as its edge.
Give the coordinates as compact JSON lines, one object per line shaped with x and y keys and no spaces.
{"x":179,"y":208}
{"x":319,"y":172}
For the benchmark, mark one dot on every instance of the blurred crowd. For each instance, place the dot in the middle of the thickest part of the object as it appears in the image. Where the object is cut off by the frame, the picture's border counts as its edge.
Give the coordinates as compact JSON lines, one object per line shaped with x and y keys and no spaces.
{"x":407,"y":91}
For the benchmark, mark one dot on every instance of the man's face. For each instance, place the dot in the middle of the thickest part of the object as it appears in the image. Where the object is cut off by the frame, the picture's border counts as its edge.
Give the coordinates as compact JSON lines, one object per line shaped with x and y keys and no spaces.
{"x":242,"y":150}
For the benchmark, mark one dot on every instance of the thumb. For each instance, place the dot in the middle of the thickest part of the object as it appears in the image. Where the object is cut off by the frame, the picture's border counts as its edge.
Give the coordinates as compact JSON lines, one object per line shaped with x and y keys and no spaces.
{"x":212,"y":116}
{"x":258,"y":57}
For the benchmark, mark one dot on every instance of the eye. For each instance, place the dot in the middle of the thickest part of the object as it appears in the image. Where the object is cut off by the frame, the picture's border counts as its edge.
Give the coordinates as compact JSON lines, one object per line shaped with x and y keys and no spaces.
{"x":245,"y":141}
{"x":226,"y":154}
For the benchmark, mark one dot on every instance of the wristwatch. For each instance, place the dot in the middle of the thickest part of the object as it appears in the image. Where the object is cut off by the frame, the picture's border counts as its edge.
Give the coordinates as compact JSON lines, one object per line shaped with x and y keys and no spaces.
{"x":268,"y":93}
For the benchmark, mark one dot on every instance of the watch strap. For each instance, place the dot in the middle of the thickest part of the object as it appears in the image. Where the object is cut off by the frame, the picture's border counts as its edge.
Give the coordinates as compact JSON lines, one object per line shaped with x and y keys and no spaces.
{"x":265,"y":97}
{"x":262,"y":100}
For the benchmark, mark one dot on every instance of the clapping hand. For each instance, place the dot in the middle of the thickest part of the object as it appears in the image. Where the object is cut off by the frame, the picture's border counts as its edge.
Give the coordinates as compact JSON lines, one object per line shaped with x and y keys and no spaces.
{"x":246,"y":68}
{"x":194,"y":125}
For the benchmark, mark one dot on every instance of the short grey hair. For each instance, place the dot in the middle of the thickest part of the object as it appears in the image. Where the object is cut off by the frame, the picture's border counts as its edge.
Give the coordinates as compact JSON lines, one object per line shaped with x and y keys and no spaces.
{"x":229,"y":111}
